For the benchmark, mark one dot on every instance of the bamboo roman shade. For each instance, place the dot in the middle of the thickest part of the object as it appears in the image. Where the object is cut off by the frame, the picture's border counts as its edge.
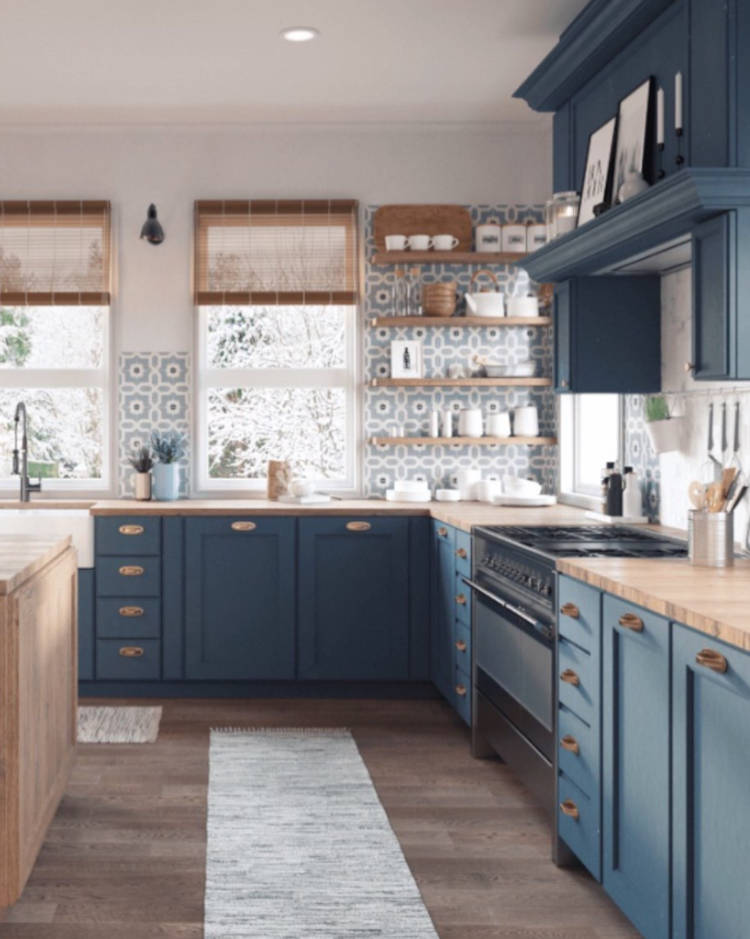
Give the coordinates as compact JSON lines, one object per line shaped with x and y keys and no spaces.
{"x":54,"y":253}
{"x":272,"y":252}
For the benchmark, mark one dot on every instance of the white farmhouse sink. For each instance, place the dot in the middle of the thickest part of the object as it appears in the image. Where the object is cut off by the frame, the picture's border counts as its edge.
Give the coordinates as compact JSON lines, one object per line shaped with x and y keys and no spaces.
{"x":53,"y":523}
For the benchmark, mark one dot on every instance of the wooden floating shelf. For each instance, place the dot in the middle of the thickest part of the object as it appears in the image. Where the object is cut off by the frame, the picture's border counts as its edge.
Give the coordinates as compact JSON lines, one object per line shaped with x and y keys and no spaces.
{"x":447,"y":257}
{"x":510,"y":382}
{"x":463,"y":441}
{"x":394,"y":321}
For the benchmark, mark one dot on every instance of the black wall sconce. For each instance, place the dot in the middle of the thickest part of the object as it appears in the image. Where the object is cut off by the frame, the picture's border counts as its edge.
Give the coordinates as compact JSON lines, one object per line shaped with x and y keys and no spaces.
{"x":152,"y":230}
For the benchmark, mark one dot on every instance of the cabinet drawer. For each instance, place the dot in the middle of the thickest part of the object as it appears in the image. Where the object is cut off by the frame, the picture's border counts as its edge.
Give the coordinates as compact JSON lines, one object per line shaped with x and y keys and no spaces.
{"x":139,"y":659}
{"x":578,"y":751}
{"x":463,"y":553}
{"x":578,"y":686}
{"x":579,"y":612}
{"x":133,"y":534}
{"x":581,"y":829}
{"x":137,"y":617}
{"x":462,"y":599}
{"x":128,"y":576}
{"x":462,"y":646}
{"x":443,"y":532}
{"x":462,"y":694}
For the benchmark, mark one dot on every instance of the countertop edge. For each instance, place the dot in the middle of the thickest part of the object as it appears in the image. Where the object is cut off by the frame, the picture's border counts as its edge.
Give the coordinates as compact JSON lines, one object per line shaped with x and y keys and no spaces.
{"x":48,"y":552}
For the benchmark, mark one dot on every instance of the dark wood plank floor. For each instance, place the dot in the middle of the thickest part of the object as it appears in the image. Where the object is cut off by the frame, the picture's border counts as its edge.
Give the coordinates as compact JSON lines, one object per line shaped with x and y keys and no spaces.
{"x":125,"y":856}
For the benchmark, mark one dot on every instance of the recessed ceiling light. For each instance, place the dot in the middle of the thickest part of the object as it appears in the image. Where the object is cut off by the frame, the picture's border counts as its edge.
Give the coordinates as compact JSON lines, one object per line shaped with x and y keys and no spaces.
{"x":300,"y":33}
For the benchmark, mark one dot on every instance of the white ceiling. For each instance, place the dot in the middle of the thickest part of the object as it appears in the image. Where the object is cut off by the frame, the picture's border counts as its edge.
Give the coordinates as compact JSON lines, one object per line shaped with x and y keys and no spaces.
{"x":143,"y":61}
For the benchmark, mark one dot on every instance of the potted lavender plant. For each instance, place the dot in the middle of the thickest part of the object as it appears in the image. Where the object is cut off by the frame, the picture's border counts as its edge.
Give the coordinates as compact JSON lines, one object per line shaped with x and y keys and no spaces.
{"x":168,"y":448}
{"x":142,"y":462}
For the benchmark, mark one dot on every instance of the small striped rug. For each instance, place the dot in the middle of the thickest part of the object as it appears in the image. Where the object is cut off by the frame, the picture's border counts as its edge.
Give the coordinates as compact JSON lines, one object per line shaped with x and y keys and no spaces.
{"x":112,"y":724}
{"x":299,"y":846}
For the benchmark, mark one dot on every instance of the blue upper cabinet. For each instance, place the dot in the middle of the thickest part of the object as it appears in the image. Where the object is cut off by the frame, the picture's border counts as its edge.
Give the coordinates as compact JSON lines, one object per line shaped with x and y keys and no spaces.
{"x":354,"y":610}
{"x":239,"y":598}
{"x":711,"y":794}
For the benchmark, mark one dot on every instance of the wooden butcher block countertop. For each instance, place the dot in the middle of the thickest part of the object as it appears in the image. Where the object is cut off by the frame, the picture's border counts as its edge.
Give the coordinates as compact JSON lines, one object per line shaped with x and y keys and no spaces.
{"x":21,"y":556}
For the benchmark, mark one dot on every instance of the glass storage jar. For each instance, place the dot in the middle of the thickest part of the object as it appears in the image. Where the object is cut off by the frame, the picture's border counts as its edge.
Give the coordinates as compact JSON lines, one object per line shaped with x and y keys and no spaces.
{"x":561,"y":214}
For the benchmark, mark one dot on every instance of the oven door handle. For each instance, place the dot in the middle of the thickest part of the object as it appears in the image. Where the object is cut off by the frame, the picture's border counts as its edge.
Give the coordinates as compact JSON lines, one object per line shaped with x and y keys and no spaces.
{"x":504,"y":603}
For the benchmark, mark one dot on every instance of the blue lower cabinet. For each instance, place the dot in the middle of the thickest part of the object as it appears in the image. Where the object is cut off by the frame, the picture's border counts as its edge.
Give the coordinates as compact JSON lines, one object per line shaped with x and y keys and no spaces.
{"x":139,"y":618}
{"x":239,"y":598}
{"x":462,"y":691}
{"x":128,"y":576}
{"x":128,"y":660}
{"x":711,"y":788}
{"x":86,"y":635}
{"x":636,"y":764}
{"x":578,"y":822}
{"x":353,"y":598}
{"x":442,"y":608}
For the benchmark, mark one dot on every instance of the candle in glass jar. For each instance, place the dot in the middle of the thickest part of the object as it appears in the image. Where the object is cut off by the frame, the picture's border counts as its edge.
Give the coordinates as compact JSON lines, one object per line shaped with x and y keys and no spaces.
{"x":660,"y":117}
{"x":678,"y":101}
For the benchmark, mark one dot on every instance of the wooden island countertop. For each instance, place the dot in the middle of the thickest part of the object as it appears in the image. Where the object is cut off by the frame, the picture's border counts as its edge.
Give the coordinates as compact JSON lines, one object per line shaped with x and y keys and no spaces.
{"x":21,"y":556}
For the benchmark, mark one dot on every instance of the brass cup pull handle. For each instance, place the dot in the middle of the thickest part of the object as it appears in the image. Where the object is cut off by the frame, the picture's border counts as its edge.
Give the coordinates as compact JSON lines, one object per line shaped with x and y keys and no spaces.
{"x":631,"y":621}
{"x":461,"y":599}
{"x":461,"y":645}
{"x":244,"y":526}
{"x":461,"y":690}
{"x":571,"y":610}
{"x":443,"y":532}
{"x":131,"y":611}
{"x":709,"y":658}
{"x":570,"y":677}
{"x":461,"y":553}
{"x":131,"y":652}
{"x":131,"y":529}
{"x":569,"y":743}
{"x":131,"y":570}
{"x":358,"y":526}
{"x":569,"y":808}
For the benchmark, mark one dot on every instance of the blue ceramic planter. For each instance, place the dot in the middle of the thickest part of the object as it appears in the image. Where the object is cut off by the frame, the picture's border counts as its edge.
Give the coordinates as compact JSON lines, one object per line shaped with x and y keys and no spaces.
{"x":166,"y":481}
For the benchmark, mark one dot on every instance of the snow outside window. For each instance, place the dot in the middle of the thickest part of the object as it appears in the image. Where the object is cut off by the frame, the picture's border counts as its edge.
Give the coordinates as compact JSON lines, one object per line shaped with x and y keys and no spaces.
{"x":591,"y":430}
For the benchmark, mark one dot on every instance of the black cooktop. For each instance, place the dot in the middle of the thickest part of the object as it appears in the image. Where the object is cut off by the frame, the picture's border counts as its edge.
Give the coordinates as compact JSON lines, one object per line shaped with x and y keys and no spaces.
{"x":588,"y":540}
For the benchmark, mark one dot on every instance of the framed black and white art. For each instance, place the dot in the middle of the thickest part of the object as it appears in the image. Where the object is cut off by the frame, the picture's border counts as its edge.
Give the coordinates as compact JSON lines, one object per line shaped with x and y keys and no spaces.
{"x":597,"y":174}
{"x":633,"y":143}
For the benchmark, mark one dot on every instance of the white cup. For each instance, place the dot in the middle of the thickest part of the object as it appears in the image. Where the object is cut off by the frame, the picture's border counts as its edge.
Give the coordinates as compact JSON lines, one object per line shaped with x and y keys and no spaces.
{"x":467,"y":483}
{"x":498,"y":424}
{"x":470,"y":422}
{"x":526,"y":422}
{"x":395,"y":242}
{"x":420,"y":242}
{"x":444,"y":242}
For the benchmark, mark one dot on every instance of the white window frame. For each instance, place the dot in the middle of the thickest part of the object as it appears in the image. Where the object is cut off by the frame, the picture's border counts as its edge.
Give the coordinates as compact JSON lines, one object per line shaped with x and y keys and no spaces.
{"x":347,"y":378}
{"x":570,"y":490}
{"x":44,"y":378}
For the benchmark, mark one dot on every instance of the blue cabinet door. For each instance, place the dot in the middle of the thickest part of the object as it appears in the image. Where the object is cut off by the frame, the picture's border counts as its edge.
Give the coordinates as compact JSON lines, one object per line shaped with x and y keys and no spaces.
{"x":86,"y":623}
{"x":636,"y":764}
{"x":711,"y":794}
{"x":239,"y":598}
{"x":353,"y":578}
{"x":442,"y":608}
{"x":712,"y":297}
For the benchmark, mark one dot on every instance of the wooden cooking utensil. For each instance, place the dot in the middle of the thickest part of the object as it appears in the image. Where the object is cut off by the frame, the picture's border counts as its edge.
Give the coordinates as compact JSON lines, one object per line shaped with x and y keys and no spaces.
{"x":714,"y":497}
{"x":727,"y":478}
{"x":697,"y":495}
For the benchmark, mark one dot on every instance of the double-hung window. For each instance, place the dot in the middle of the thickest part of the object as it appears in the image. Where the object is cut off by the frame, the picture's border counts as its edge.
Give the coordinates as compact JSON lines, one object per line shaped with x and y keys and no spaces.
{"x":591,"y":434}
{"x":276,"y":289}
{"x":54,"y":340}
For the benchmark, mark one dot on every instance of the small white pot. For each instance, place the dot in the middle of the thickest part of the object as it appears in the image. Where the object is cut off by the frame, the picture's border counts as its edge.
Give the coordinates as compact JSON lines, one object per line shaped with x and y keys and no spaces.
{"x":142,"y":486}
{"x":665,"y":436}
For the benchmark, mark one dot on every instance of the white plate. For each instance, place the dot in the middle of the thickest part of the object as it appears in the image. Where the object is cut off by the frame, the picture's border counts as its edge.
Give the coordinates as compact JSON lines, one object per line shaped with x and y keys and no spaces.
{"x":398,"y":495}
{"x":529,"y":501}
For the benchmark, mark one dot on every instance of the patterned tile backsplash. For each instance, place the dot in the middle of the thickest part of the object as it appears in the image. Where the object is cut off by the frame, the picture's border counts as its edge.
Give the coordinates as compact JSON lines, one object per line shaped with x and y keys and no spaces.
{"x":410,"y":407}
{"x":154,"y":394}
{"x":641,"y":456}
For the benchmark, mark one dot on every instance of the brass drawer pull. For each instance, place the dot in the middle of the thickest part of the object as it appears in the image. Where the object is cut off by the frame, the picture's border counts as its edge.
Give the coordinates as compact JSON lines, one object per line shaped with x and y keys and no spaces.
{"x":709,"y":658}
{"x":631,"y":621}
{"x":131,"y":652}
{"x":358,"y":526}
{"x":461,"y":690}
{"x":461,"y":553}
{"x":570,"y":677}
{"x":243,"y":526}
{"x":569,"y":743}
{"x":569,"y":808}
{"x":131,"y":611}
{"x":571,"y":610}
{"x":461,"y":645}
{"x":131,"y":570}
{"x":443,"y":532}
{"x":131,"y":529}
{"x":461,"y":599}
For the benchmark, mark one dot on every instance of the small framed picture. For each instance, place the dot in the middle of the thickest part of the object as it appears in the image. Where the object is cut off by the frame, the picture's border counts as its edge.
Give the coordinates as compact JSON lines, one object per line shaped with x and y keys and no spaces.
{"x":406,"y":358}
{"x":633,"y":139}
{"x":596,"y":188}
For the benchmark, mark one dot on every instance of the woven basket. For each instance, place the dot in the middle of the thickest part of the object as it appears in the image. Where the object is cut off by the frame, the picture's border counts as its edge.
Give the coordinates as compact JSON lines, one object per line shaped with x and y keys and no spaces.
{"x":439,"y":299}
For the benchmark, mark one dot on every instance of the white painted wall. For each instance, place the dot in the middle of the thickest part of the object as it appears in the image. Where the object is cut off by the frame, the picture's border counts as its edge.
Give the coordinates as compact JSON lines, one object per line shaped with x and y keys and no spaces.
{"x":172,"y":166}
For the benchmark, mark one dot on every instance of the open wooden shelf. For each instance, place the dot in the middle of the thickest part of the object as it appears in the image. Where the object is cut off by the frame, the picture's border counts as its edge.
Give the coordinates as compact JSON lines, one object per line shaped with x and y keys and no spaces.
{"x":463,"y":441}
{"x":447,"y":257}
{"x":509,"y":382}
{"x":393,"y":321}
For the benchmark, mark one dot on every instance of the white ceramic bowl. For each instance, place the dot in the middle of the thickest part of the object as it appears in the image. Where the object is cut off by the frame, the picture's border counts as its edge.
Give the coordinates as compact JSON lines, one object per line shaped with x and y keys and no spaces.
{"x":302,"y":487}
{"x":399,"y":495}
{"x":447,"y":495}
{"x":517,"y":486}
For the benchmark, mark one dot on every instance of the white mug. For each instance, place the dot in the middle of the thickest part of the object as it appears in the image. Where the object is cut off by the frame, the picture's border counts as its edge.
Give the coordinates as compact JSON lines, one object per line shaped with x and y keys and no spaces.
{"x":395,"y":242}
{"x":498,"y":424}
{"x":470,"y":422}
{"x":467,"y":483}
{"x":523,"y":306}
{"x":420,"y":242}
{"x":526,"y":422}
{"x":444,"y":242}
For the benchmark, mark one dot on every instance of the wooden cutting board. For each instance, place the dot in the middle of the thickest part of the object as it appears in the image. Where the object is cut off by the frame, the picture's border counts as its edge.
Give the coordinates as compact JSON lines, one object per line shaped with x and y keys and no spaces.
{"x":423,"y":220}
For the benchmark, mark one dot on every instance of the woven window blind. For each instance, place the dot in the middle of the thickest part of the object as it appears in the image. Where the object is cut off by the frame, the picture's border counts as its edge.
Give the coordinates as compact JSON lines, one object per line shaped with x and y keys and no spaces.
{"x":54,"y":253}
{"x":276,"y":252}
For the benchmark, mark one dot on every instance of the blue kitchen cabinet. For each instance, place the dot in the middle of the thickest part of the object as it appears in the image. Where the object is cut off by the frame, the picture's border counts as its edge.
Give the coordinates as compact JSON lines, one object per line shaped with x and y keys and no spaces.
{"x":636,"y":772}
{"x":353,"y":598}
{"x":608,"y":335}
{"x":86,"y":635}
{"x":442,"y":608}
{"x":711,"y":788}
{"x":239,"y":598}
